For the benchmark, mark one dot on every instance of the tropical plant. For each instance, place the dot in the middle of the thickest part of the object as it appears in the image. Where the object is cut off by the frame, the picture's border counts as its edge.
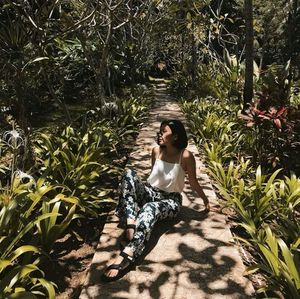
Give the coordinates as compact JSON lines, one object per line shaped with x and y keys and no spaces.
{"x":19,"y":264}
{"x":77,"y":162}
{"x":230,"y":176}
{"x":272,"y":125}
{"x":217,"y":152}
{"x":279,"y":262}
{"x":277,"y":116}
{"x":51,"y":228}
{"x":276,"y":86}
{"x":23,"y":280}
{"x":251,"y":200}
{"x":287,"y":199}
{"x":208,"y":119}
{"x":132,"y":113}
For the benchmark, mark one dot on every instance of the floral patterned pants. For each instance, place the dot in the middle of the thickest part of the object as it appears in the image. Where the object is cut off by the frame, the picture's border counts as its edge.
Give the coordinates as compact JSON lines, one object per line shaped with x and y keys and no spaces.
{"x":146,"y":205}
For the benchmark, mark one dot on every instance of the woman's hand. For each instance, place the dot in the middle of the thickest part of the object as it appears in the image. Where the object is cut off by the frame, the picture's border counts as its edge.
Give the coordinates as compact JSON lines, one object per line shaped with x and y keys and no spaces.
{"x":207,"y":207}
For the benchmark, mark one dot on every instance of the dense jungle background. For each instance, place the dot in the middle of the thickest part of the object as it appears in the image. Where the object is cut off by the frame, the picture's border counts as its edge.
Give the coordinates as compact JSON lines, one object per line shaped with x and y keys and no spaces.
{"x":76,"y":84}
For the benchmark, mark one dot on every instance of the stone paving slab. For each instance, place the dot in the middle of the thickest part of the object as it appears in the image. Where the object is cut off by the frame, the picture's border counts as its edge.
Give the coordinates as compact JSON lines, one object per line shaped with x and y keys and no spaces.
{"x":191,"y":257}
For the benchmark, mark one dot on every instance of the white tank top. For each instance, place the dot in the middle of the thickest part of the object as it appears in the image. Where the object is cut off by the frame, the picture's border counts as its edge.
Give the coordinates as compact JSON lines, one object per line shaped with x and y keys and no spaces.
{"x":167,"y":176}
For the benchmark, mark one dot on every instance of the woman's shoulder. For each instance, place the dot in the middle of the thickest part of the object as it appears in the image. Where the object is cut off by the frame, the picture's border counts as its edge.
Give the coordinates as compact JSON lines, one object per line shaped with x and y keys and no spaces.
{"x":187,"y":159}
{"x":155,"y":151}
{"x":186,"y":154}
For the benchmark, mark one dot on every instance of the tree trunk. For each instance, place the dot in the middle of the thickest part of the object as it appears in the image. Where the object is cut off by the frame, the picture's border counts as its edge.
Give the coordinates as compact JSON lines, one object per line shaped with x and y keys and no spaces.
{"x":182,"y":50}
{"x":20,"y":105}
{"x":194,"y":56}
{"x":248,"y":87}
{"x":292,"y":27}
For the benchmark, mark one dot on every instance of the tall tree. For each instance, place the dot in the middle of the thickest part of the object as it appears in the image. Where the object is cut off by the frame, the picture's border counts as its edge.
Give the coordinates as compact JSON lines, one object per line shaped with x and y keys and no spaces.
{"x":292,"y":27}
{"x":248,"y":86}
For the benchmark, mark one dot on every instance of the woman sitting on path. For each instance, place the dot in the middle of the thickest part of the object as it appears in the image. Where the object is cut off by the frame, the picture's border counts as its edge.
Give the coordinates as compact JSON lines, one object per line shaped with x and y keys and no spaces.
{"x":141,"y":205}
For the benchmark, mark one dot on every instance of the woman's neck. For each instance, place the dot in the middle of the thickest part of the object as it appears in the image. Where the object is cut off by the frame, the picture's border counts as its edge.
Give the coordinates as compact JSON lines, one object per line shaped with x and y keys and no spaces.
{"x":171,"y":150}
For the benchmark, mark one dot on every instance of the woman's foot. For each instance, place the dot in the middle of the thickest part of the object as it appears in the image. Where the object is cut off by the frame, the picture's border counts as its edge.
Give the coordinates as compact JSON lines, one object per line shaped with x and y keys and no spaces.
{"x":119,"y":266}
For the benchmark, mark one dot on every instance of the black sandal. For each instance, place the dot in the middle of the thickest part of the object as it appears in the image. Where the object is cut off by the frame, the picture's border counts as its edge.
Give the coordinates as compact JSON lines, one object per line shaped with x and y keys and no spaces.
{"x":125,"y":239}
{"x":122,"y":268}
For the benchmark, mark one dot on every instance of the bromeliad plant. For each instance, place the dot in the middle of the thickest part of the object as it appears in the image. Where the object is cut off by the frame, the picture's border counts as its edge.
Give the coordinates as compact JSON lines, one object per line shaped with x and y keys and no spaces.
{"x":210,"y":120}
{"x":213,"y":127}
{"x":252,"y":200}
{"x":132,"y":112}
{"x":25,"y":280}
{"x":217,"y":152}
{"x":216,"y":132}
{"x":77,"y":162}
{"x":229,"y":177}
{"x":47,"y":199}
{"x":125,"y":115}
{"x":288,"y":208}
{"x":280,"y":263}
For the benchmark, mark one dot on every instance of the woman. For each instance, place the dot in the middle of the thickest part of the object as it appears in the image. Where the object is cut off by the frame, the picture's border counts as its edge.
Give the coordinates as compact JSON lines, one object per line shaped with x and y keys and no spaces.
{"x":141,"y":205}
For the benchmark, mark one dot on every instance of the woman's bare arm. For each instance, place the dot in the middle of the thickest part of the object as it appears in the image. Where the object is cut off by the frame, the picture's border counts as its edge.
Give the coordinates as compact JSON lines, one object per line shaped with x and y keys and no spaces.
{"x":190,"y":166}
{"x":154,"y":154}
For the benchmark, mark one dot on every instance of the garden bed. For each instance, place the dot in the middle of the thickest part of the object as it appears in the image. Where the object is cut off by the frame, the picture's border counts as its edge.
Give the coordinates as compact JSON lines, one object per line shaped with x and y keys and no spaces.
{"x":72,"y":256}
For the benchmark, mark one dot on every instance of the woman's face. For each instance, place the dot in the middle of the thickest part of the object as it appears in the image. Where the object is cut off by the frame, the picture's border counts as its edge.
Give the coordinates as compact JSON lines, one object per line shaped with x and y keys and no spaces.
{"x":165,"y":136}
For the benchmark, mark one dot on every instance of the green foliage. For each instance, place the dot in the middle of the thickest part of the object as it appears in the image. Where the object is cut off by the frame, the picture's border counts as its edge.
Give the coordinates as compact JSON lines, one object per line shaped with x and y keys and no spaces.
{"x":222,"y":86}
{"x":132,"y":112}
{"x":74,"y":171}
{"x":217,"y":152}
{"x":50,"y":229}
{"x":276,"y":85}
{"x":182,"y":84}
{"x":79,"y":161}
{"x":16,"y":278}
{"x":274,"y":125}
{"x":55,"y":53}
{"x":20,"y":215}
{"x":66,"y":53}
{"x":252,"y":200}
{"x":274,"y":30}
{"x":280,"y":263}
{"x":207,"y":124}
{"x":230,"y":177}
{"x":19,"y":268}
{"x":288,"y":202}
{"x":214,"y":126}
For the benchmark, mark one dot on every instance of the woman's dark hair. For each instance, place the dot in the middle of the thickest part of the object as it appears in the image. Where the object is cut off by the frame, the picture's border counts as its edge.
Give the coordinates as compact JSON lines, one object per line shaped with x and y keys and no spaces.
{"x":178,"y":132}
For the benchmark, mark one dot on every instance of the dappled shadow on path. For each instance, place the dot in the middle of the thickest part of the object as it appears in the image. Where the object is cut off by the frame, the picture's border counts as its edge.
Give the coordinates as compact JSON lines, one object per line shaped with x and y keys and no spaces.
{"x":196,"y":262}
